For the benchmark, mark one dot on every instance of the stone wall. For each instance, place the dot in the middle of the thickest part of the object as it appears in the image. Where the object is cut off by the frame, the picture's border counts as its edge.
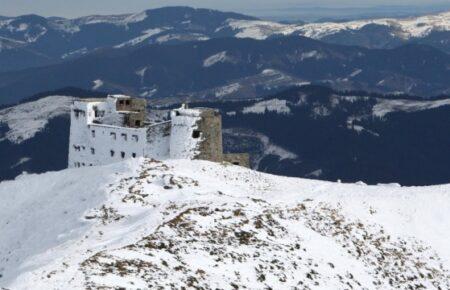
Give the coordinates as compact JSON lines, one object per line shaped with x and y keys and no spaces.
{"x":241,"y":159}
{"x":209,"y":129}
{"x":136,"y":111}
{"x":134,"y":119}
{"x":131,"y":104}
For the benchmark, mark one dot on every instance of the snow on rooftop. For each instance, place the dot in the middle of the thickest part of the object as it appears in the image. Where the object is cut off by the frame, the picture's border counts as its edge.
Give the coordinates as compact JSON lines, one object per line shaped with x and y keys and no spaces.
{"x":192,"y":112}
{"x":118,"y":96}
{"x":149,"y":224}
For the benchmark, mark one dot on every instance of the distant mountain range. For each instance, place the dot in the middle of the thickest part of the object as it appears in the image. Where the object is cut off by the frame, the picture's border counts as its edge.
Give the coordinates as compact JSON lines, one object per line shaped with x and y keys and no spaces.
{"x":55,"y":39}
{"x":239,"y":68}
{"x":301,"y":13}
{"x":200,"y":53}
{"x":310,"y":131}
{"x":32,"y":40}
{"x":432,"y":30}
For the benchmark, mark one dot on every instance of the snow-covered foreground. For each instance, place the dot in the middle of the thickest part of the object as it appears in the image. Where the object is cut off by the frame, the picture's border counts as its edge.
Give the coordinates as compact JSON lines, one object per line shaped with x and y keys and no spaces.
{"x":144,"y":224}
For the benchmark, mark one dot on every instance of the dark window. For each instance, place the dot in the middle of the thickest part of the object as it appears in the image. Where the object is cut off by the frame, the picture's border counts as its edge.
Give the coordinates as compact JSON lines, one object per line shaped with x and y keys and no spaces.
{"x":90,"y":164}
{"x":93,"y":133}
{"x":134,"y":155}
{"x":83,"y":164}
{"x":135,"y":138}
{"x":92,"y":150}
{"x":79,"y":113}
{"x":113,"y":135}
{"x":236,"y":163}
{"x":177,"y":113}
{"x":127,"y":102}
{"x":112,"y":153}
{"x":137,"y":123}
{"x":120,"y":102}
{"x":99,"y":113}
{"x":122,"y":154}
{"x":196,"y":134}
{"x":124,"y":136}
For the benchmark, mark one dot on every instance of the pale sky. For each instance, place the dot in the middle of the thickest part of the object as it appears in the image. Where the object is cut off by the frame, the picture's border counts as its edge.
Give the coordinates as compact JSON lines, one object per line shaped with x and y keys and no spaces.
{"x":74,"y":8}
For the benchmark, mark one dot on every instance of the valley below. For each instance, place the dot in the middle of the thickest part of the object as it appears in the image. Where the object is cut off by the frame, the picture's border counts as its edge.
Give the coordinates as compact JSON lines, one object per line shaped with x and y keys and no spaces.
{"x":308,"y":131}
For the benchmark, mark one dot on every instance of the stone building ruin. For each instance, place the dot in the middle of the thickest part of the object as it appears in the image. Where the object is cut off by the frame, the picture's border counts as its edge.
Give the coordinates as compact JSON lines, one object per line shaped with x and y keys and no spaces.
{"x":104,"y":131}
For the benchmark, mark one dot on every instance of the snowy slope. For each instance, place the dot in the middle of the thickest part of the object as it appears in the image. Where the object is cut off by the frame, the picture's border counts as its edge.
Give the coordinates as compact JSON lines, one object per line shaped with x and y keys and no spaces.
{"x":27,"y":119}
{"x":6,"y":43}
{"x":406,"y":28}
{"x":385,"y":106}
{"x":143,"y":224}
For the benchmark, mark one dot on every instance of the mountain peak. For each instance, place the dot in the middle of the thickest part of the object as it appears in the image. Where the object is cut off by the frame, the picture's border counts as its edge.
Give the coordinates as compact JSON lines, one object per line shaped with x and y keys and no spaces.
{"x":244,"y":228}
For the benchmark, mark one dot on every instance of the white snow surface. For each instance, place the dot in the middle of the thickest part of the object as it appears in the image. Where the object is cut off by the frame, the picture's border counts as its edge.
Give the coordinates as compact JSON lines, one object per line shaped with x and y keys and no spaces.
{"x":75,"y":53}
{"x":258,"y":29}
{"x":385,"y":106}
{"x":220,"y":57}
{"x":413,"y":27}
{"x":182,"y":37}
{"x":75,"y":25}
{"x":227,"y":90}
{"x":27,"y":119}
{"x":273,"y":105}
{"x":7,"y":43}
{"x":312,"y":54}
{"x":21,"y":161}
{"x":146,"y":34}
{"x":141,"y":73}
{"x":28,"y":34}
{"x":182,"y":145}
{"x":119,"y":20}
{"x":97,"y":84}
{"x":147,"y":224}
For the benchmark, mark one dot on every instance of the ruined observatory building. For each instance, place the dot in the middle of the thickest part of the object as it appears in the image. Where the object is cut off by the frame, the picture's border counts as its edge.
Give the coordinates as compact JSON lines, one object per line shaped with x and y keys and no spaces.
{"x":104,"y":131}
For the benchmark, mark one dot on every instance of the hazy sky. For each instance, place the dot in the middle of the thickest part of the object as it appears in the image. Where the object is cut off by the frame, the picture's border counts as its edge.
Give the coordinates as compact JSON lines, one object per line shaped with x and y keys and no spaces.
{"x":73,"y":8}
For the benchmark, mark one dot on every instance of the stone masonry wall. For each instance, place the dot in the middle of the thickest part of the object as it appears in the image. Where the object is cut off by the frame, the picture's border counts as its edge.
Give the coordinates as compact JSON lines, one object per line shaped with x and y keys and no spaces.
{"x":241,"y":159}
{"x":209,"y":128}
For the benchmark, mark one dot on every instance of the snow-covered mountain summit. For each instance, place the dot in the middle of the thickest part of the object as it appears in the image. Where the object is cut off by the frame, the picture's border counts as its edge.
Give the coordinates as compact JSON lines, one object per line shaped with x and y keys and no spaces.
{"x":405,"y":28}
{"x":179,"y":223}
{"x":32,"y":40}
